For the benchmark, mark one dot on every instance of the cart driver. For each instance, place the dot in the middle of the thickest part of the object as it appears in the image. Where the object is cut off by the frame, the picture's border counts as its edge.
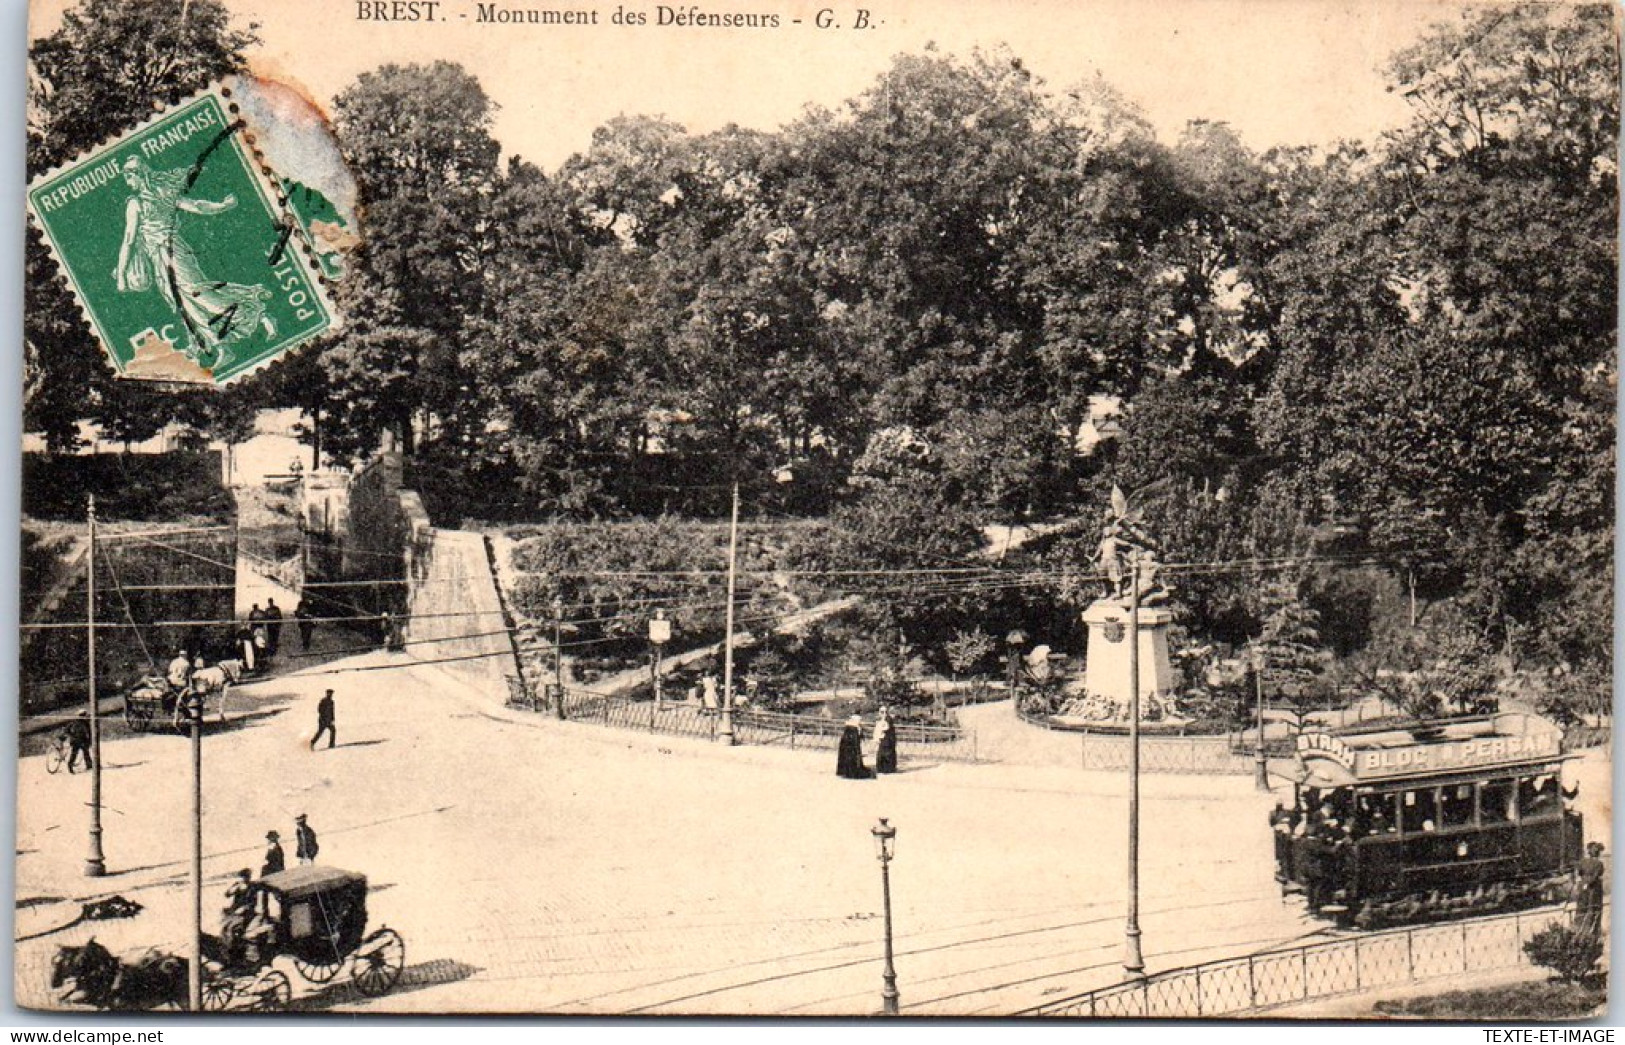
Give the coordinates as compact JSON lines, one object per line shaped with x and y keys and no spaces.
{"x":179,"y":674}
{"x":238,"y":912}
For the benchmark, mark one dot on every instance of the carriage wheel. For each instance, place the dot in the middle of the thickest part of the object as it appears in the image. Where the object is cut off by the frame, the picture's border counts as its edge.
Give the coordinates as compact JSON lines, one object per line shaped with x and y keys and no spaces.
{"x":318,"y":972}
{"x":378,"y":962}
{"x":272,"y":992}
{"x":136,"y":717}
{"x":218,"y":991}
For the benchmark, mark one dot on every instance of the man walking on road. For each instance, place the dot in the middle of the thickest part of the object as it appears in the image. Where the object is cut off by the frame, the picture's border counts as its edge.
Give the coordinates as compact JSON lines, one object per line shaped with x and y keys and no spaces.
{"x":305,"y":847}
{"x":78,"y":733}
{"x":324,"y":723}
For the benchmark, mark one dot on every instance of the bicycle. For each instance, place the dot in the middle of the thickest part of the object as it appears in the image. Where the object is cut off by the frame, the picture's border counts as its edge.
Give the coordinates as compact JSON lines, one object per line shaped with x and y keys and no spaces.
{"x":58,"y":755}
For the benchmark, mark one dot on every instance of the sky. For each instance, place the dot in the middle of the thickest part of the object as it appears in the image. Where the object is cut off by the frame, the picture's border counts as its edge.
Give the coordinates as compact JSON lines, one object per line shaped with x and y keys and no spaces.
{"x":1279,"y":71}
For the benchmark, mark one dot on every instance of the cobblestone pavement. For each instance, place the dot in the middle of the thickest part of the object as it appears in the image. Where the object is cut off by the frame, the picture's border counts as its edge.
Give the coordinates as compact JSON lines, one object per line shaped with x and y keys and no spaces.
{"x":535,"y":866}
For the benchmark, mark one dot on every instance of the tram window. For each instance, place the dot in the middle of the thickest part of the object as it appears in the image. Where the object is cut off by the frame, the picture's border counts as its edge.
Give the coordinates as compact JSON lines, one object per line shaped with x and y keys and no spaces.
{"x":1419,"y":812}
{"x":1376,"y":816}
{"x":1495,"y":801}
{"x":1456,"y":805}
{"x":1537,"y":796}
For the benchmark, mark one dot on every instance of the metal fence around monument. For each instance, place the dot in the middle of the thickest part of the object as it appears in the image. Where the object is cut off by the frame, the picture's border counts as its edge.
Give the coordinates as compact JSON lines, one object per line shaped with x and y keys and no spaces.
{"x":679,"y":718}
{"x":1368,"y":961}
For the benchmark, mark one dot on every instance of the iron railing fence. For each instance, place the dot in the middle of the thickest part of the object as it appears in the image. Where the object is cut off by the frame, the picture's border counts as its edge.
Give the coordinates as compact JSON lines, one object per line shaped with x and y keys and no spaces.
{"x":1260,"y":982}
{"x":676,"y":718}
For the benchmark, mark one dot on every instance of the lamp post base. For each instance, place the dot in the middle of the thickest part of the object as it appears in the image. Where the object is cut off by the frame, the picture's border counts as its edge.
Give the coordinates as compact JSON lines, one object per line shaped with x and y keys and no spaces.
{"x":889,"y":998}
{"x":1133,"y":960}
{"x":95,"y":867}
{"x":1261,"y":775}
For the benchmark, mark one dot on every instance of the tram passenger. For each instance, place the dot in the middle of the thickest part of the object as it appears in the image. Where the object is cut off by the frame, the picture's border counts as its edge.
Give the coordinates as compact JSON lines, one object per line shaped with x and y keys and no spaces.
{"x":1538,"y":795}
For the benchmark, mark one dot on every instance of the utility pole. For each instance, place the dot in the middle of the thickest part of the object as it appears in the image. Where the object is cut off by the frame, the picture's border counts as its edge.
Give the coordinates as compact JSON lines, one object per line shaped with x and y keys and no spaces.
{"x":558,"y":658}
{"x":1133,"y":960}
{"x":95,"y":862}
{"x":1261,"y":765}
{"x":726,"y":733}
{"x":194,"y":976}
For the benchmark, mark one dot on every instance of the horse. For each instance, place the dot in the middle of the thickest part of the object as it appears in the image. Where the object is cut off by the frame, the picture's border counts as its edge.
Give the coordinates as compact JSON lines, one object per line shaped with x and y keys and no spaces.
{"x":216,"y":681}
{"x":91,"y":975}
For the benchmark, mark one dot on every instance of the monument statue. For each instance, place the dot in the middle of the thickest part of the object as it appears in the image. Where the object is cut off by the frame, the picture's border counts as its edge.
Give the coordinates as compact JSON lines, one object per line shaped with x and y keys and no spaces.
{"x":1124,"y":542}
{"x":1126,"y":545}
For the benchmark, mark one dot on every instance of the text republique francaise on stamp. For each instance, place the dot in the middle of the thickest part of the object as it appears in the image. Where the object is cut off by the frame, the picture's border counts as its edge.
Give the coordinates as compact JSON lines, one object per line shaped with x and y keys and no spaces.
{"x":182,"y":247}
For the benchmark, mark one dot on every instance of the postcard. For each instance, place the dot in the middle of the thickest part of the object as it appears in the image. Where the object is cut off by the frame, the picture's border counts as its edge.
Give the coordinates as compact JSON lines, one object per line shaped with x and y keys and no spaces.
{"x":1059,"y":510}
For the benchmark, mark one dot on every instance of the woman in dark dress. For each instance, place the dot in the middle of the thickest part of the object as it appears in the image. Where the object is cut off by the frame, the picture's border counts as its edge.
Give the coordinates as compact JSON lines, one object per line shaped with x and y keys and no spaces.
{"x":885,"y":743}
{"x":849,"y":759}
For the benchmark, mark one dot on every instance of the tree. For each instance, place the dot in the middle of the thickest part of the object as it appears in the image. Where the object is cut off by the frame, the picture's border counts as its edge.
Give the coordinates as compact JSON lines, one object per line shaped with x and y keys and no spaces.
{"x":417,"y":138}
{"x":103,"y":70}
{"x":1288,"y":650}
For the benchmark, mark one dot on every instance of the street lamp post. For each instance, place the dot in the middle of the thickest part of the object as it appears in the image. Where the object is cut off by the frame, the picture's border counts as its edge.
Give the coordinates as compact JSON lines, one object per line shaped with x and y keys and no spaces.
{"x":726,"y":733}
{"x":95,"y":862}
{"x":558,"y":658}
{"x":885,"y":844}
{"x":659,"y":635}
{"x":1133,"y":960}
{"x":1260,"y":763}
{"x":194,"y":977}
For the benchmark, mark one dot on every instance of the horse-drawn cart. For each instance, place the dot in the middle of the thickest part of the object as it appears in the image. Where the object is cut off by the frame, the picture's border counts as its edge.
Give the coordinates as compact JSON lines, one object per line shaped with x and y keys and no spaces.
{"x":317,"y":917}
{"x":152,"y":705}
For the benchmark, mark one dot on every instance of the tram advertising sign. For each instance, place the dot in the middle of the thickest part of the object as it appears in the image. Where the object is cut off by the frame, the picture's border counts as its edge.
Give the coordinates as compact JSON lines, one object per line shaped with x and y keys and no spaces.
{"x":1379,"y":762}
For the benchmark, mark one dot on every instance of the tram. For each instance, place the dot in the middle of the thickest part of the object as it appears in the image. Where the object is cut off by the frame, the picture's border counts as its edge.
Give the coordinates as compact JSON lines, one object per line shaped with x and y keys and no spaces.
{"x":1436,"y":820}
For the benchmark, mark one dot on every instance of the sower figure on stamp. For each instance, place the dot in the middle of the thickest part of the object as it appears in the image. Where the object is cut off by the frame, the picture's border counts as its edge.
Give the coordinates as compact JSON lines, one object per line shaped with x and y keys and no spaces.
{"x":305,"y":847}
{"x":156,"y":256}
{"x":325,"y":722}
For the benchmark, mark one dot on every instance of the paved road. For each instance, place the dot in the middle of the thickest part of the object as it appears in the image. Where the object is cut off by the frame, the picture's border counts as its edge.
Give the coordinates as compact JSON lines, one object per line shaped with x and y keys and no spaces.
{"x":533,"y":865}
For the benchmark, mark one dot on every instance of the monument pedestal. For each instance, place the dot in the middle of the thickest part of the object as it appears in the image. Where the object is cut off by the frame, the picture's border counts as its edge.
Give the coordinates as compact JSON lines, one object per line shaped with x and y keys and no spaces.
{"x":1106,"y":679}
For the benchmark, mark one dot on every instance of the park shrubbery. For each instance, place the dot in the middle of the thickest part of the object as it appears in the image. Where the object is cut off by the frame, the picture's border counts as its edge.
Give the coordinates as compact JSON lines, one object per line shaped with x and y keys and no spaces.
{"x":166,"y":487}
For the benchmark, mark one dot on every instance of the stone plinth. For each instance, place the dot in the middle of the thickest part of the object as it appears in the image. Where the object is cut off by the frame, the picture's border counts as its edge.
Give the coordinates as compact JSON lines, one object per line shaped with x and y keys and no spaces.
{"x":1106,"y":680}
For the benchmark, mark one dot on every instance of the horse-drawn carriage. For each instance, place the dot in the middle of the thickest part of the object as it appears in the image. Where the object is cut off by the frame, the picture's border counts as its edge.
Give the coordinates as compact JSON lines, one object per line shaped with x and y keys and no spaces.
{"x":153,"y":705}
{"x":317,"y":917}
{"x":314,"y":916}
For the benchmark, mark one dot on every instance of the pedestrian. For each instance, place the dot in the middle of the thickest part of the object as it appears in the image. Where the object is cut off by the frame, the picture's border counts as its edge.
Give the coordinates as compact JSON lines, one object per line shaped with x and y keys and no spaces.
{"x":849,"y":758}
{"x":273,"y":627}
{"x":307,"y":624}
{"x":304,"y":836}
{"x":1589,"y":876}
{"x":245,"y":642}
{"x":78,"y":733}
{"x":885,"y":743}
{"x":325,"y":722}
{"x":709,"y":688}
{"x":386,"y":630}
{"x":275,"y":859}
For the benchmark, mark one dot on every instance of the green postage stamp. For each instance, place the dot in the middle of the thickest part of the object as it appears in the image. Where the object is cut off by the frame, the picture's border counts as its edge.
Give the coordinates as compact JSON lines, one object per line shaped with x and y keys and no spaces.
{"x":183,"y":248}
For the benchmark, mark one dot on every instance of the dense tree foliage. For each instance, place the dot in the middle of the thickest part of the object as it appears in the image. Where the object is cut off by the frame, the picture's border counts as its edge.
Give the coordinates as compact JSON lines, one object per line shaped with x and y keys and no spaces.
{"x":1395,"y":355}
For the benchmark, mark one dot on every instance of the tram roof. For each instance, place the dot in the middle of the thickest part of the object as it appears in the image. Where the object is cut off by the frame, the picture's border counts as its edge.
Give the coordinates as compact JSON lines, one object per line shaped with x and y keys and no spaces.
{"x":1472,"y":746}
